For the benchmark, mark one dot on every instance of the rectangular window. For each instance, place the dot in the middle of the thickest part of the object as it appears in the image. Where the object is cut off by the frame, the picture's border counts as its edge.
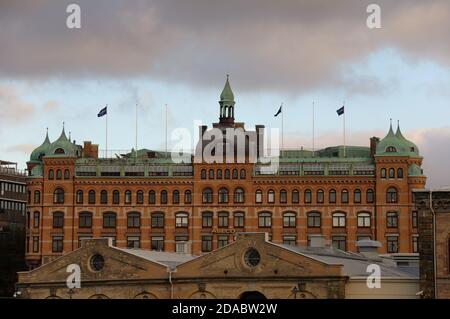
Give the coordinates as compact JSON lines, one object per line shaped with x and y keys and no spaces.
{"x":314,"y":220}
{"x":134,"y":221}
{"x":57,"y":244}
{"x":36,"y":219}
{"x":222,"y":241}
{"x":158,"y":220}
{"x":181,"y":243}
{"x":392,"y":244}
{"x":207,"y":220}
{"x":415,"y":219}
{"x":290,"y":240}
{"x":206,"y":243}
{"x":133,"y":242}
{"x":238,"y":220}
{"x":223,"y":220}
{"x":415,"y":244}
{"x":158,"y":243}
{"x":35,"y":244}
{"x":339,"y":242}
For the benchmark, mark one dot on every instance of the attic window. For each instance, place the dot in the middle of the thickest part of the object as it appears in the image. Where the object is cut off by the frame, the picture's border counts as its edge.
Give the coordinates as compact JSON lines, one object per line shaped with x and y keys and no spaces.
{"x":97,"y":262}
{"x":391,"y":149}
{"x":252,"y":257}
{"x":413,"y":149}
{"x":59,"y":151}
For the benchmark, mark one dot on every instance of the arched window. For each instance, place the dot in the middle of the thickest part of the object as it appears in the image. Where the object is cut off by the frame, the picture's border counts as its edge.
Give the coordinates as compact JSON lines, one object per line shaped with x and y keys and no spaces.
{"x":59,"y":151}
{"x":223,"y":195}
{"x":139,"y":197}
{"x":400,"y":173}
{"x":157,"y":220}
{"x":175,"y":197}
{"x":58,"y":196}
{"x":103,"y":197}
{"x":152,"y":197}
{"x":36,"y":219}
{"x":134,"y":220}
{"x":364,"y":220}
{"x":211,"y":174}
{"x":289,"y":220}
{"x":242,"y":174}
{"x":258,"y":196}
{"x":344,"y":196}
{"x":219,"y":174}
{"x":271,"y":196}
{"x":85,"y":220}
{"x":109,"y":220}
{"x":314,"y":219}
{"x":79,"y":196}
{"x":339,"y":220}
{"x":66,"y":174}
{"x":223,"y":219}
{"x":308,"y":196}
{"x":127,"y":197}
{"x":188,"y":197}
{"x":370,"y":196}
{"x":392,"y":220}
{"x":391,"y":173}
{"x":51,"y":174}
{"x":235,"y":173}
{"x":58,"y":220}
{"x":227,"y":174}
{"x":391,"y":195}
{"x":203,"y":174}
{"x":116,"y":197}
{"x":207,"y":196}
{"x":295,"y":196}
{"x":239,"y":195}
{"x":164,"y":197}
{"x":283,"y":196}
{"x":391,"y":149}
{"x":320,"y":196}
{"x":239,"y":219}
{"x":207,"y":219}
{"x":91,"y":197}
{"x":357,"y":196}
{"x":58,"y":174}
{"x":181,"y":220}
{"x":265,"y":219}
{"x":383,"y":173}
{"x":37,"y":197}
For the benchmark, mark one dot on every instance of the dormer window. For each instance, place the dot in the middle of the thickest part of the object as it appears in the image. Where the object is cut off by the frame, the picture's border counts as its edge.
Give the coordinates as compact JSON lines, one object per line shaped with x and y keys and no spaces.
{"x":59,"y":151}
{"x":413,"y":149}
{"x":391,"y":149}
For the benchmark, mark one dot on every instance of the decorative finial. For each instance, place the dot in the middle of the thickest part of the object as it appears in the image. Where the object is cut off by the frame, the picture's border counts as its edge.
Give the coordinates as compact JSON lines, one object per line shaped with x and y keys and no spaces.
{"x":70,"y":133}
{"x":228,"y":76}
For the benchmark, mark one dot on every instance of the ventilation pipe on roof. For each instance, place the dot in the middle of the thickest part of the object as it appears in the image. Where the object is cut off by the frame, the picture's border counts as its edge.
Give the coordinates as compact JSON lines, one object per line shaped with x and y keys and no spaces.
{"x":369,"y":249}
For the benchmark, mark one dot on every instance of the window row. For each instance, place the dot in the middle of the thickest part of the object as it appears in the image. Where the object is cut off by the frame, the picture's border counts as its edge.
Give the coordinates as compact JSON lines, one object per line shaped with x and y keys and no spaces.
{"x":11,"y":187}
{"x":59,"y":174}
{"x":391,"y":173}
{"x":225,"y":174}
{"x":319,"y":196}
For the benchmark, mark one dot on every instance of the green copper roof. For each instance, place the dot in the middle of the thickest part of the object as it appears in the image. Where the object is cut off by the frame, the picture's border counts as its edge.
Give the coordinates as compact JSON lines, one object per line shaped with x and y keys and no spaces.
{"x":227,"y":94}
{"x":396,"y":145}
{"x":41,"y":150}
{"x":62,"y":143}
{"x":415,"y":170}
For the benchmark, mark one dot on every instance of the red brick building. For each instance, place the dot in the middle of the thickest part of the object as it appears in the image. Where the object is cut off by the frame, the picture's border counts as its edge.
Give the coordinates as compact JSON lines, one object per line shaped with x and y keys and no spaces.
{"x":144,"y":199}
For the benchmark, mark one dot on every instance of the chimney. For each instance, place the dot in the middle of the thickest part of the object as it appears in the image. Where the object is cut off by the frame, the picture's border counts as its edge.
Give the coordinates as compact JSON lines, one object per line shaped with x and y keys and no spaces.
{"x":373,"y":145}
{"x":369,"y":249}
{"x":259,"y":141}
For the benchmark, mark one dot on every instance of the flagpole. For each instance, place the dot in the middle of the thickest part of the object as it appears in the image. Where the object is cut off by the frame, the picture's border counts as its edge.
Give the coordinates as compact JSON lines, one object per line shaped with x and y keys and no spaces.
{"x":136,"y":144}
{"x":106,"y":146}
{"x":345,"y":151}
{"x":166,"y":130}
{"x":282,"y":128}
{"x":314,"y":131}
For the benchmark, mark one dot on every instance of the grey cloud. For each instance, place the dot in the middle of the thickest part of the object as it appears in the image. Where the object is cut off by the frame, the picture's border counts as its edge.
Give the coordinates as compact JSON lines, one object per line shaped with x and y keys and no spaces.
{"x":282,"y":45}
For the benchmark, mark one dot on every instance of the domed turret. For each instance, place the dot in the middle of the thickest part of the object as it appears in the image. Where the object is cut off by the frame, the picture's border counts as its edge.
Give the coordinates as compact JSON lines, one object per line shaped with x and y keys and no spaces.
{"x":396,"y":145}
{"x":227,"y":104}
{"x":41,"y":150}
{"x":63,"y":146}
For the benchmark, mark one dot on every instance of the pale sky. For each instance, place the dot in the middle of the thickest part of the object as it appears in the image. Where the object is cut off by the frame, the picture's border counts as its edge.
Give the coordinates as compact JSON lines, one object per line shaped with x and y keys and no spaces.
{"x":179,"y":52}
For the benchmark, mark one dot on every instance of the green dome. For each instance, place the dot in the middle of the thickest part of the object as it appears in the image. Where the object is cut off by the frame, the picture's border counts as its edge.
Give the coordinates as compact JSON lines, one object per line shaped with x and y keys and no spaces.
{"x":41,"y":150}
{"x":62,"y":147}
{"x":396,"y":145}
{"x":415,"y":170}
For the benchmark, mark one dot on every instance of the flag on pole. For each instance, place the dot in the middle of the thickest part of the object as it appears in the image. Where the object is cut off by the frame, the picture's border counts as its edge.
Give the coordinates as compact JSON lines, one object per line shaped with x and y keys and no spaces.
{"x":102,"y":112}
{"x":340,"y":111}
{"x":279,"y":111}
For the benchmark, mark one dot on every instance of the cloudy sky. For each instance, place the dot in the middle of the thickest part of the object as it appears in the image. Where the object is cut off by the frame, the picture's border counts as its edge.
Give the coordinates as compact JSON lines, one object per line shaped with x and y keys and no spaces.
{"x":178,"y":53}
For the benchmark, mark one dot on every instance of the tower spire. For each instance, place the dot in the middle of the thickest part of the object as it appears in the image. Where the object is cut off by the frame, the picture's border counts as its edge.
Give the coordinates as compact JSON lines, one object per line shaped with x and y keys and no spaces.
{"x":227,"y":104}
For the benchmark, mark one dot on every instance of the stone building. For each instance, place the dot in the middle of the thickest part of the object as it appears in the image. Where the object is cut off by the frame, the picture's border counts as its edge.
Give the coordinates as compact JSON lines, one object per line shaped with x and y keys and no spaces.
{"x":434,"y":242}
{"x":13,"y":199}
{"x":249,"y":267}
{"x":144,"y":199}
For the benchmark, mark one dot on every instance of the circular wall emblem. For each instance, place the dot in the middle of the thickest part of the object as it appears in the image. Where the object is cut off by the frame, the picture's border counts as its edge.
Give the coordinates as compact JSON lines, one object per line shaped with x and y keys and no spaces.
{"x":97,"y":262}
{"x":252,"y":257}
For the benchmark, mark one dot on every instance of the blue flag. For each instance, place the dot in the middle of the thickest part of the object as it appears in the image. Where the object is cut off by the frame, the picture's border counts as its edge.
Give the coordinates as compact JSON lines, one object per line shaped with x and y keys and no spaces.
{"x":340,"y":111}
{"x":102,"y":112}
{"x":279,"y":111}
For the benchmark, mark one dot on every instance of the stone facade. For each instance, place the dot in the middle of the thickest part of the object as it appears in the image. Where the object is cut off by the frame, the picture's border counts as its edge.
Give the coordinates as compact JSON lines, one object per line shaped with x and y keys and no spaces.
{"x":434,"y":242}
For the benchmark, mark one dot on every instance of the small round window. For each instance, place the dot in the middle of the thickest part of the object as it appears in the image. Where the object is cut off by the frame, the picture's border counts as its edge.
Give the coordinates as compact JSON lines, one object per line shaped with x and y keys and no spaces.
{"x":252,"y":257}
{"x":97,"y":262}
